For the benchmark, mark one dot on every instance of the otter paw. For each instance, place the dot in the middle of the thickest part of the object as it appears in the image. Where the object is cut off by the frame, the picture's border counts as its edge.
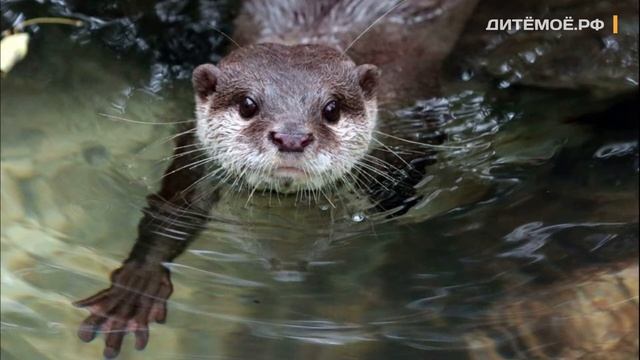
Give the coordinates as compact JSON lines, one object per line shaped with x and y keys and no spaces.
{"x":137,"y":296}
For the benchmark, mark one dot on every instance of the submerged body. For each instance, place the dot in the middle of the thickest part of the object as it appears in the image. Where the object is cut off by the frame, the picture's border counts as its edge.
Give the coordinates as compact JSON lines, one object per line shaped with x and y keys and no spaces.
{"x":287,"y":147}
{"x":291,"y":114}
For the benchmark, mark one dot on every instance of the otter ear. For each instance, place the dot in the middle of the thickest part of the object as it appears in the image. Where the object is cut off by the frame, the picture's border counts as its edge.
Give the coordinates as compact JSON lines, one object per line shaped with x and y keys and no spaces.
{"x":368,"y":76}
{"x":205,"y":78}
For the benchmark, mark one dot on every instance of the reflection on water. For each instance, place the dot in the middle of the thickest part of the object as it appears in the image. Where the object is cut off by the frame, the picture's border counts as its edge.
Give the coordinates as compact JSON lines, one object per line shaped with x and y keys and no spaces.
{"x":522,"y":243}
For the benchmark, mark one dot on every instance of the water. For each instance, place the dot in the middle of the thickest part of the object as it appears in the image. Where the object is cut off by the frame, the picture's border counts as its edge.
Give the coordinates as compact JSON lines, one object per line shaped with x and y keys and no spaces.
{"x":523,"y":245}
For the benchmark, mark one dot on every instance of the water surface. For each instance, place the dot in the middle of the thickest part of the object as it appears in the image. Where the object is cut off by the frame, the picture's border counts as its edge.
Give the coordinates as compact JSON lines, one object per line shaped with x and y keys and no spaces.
{"x":526,"y":230}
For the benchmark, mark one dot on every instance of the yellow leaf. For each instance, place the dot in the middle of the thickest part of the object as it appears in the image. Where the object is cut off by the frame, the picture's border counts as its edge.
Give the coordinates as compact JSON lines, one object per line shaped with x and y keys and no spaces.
{"x":13,"y":48}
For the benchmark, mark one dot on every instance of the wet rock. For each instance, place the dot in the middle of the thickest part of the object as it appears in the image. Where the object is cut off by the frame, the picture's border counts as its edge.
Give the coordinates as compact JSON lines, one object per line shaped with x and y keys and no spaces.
{"x":593,"y":60}
{"x":49,"y":210}
{"x":11,"y":209}
{"x":30,"y":240}
{"x":20,"y":141}
{"x":95,"y":155}
{"x":593,"y":314}
{"x":22,"y":168}
{"x":175,"y":34}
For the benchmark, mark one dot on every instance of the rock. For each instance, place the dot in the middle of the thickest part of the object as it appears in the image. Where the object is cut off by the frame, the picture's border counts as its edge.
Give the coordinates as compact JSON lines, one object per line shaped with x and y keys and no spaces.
{"x":96,"y":155}
{"x":593,"y":314}
{"x":11,"y":208}
{"x":19,"y":168}
{"x":49,"y":209}
{"x":597,"y":61}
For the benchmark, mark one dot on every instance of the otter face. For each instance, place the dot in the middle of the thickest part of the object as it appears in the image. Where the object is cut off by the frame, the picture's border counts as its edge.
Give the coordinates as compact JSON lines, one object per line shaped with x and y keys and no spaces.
{"x":286,"y":118}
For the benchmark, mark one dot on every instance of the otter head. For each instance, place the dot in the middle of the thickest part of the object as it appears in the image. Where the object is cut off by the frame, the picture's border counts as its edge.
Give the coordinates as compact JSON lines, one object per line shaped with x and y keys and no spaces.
{"x":286,"y":118}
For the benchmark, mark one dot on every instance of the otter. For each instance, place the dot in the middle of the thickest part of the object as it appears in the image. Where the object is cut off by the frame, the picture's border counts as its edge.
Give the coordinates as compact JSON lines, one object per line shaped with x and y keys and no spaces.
{"x":286,"y":117}
{"x":292,"y":110}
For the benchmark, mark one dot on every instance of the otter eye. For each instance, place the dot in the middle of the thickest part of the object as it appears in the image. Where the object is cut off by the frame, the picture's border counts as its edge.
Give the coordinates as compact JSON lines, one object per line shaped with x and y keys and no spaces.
{"x":248,"y":108}
{"x":331,"y":111}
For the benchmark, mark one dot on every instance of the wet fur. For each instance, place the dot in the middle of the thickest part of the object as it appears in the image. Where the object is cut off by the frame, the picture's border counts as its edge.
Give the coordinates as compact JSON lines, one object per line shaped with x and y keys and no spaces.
{"x":295,"y":81}
{"x":291,"y":85}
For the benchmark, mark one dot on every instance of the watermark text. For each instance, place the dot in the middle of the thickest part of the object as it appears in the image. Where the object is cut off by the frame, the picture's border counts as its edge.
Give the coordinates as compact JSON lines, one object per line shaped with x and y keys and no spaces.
{"x":566,"y":24}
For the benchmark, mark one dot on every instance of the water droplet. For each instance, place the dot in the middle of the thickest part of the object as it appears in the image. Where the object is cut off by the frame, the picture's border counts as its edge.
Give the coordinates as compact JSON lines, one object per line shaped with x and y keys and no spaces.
{"x":357,"y":217}
{"x":616,"y":149}
{"x":632,"y":81}
{"x":504,"y":68}
{"x":529,"y":57}
{"x":611,"y":43}
{"x":504,"y":84}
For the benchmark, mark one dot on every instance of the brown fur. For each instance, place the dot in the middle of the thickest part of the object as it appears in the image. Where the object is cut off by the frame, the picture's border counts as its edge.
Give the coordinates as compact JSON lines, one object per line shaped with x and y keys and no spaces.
{"x":291,"y":85}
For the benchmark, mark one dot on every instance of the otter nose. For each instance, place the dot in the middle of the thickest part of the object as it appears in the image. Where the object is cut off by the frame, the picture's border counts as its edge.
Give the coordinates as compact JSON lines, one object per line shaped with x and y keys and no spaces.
{"x":290,"y":142}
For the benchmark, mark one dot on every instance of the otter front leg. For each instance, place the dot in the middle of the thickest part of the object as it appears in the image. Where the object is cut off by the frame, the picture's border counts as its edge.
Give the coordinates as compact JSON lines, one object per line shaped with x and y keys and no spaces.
{"x":141,"y":286}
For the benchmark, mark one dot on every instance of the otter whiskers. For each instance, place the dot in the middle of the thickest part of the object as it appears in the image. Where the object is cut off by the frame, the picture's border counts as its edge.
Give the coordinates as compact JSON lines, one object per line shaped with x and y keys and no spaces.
{"x":366,"y":30}
{"x":131,"y":121}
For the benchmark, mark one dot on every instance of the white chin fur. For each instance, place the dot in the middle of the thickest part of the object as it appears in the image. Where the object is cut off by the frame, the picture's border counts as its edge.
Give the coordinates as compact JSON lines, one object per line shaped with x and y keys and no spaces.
{"x":238,"y":157}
